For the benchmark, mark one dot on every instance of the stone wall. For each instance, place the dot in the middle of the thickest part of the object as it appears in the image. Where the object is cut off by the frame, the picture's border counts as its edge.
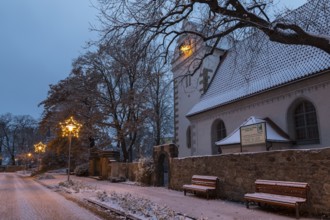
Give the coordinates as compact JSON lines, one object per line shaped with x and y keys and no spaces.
{"x":238,"y":172}
{"x":140,"y":172}
{"x":123,"y":170}
{"x":132,"y":171}
{"x":99,"y":162}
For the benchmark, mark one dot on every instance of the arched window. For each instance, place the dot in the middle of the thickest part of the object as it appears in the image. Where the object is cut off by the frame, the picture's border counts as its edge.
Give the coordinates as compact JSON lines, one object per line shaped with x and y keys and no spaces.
{"x":218,"y":133}
{"x":305,"y":122}
{"x":188,"y":137}
{"x":221,"y":130}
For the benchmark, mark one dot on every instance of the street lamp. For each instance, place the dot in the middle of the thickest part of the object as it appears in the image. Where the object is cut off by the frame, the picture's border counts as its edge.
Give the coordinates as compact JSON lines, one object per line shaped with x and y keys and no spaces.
{"x":39,"y":148}
{"x":70,"y":128}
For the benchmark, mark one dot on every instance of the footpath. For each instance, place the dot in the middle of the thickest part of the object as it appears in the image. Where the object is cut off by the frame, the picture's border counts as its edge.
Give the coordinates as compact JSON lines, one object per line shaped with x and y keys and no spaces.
{"x":190,"y":205}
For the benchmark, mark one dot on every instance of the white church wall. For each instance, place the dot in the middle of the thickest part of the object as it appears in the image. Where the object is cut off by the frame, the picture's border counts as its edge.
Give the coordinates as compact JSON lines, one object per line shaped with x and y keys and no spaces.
{"x":274,"y":104}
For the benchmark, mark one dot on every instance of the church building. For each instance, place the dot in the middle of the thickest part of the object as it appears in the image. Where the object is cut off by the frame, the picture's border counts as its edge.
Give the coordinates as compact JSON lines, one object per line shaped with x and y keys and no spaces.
{"x":257,"y":95}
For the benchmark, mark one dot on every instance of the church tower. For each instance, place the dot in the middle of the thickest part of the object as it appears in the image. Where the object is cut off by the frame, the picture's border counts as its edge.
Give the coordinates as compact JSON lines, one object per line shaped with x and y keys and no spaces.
{"x":192,"y":74}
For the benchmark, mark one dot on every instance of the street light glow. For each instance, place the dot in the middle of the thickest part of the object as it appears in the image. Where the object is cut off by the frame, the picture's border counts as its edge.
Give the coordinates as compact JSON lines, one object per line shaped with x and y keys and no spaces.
{"x":40,"y":147}
{"x":70,"y":128}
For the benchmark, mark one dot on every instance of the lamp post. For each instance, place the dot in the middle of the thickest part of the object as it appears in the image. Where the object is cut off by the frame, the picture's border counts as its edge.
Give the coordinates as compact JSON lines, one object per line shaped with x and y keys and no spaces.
{"x":70,"y":128}
{"x":27,"y":159}
{"x":39,"y":148}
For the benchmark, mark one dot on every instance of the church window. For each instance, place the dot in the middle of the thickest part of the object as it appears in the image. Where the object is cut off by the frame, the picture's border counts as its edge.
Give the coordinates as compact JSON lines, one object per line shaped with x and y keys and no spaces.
{"x":305,"y":121}
{"x":218,"y":133}
{"x":221,"y":130}
{"x":188,"y":80}
{"x":205,"y":79}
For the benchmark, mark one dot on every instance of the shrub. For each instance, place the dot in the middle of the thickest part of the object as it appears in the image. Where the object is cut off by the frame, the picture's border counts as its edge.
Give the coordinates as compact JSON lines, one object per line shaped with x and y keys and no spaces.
{"x":82,"y":170}
{"x":145,"y":170}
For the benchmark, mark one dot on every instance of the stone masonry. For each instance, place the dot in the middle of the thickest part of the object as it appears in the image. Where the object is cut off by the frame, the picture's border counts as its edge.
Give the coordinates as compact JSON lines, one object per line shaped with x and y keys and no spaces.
{"x":238,"y":172}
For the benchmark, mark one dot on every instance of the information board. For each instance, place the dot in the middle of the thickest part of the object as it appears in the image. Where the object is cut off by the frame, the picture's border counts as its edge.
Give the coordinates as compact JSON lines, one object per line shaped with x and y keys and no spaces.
{"x":253,"y":134}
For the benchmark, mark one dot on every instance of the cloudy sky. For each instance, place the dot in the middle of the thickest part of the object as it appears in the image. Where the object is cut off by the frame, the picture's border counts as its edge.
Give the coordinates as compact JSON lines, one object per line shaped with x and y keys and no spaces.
{"x":38,"y":41}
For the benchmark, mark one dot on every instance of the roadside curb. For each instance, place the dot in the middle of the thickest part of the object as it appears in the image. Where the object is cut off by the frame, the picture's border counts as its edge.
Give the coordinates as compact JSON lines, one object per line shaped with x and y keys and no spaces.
{"x":84,"y":204}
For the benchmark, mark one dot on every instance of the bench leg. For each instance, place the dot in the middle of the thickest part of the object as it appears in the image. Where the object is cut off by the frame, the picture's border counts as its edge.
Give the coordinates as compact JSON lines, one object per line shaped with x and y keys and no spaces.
{"x":297,"y":211}
{"x":184,"y":192}
{"x":247,"y":204}
{"x":207,"y":195}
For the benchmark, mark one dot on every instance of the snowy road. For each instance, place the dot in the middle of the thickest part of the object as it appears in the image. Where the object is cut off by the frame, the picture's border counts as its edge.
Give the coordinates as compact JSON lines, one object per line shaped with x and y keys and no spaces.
{"x":24,"y":199}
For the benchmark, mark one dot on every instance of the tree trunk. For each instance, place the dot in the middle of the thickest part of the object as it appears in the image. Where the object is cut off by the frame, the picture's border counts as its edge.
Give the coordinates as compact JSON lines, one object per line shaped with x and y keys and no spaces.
{"x":13,"y":162}
{"x":124,"y":150}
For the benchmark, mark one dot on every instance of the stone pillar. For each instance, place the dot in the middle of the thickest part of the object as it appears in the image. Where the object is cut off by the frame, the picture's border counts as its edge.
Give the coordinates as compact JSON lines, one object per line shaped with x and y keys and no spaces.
{"x":91,"y":167}
{"x":93,"y":157}
{"x":160,"y":154}
{"x":104,"y":162}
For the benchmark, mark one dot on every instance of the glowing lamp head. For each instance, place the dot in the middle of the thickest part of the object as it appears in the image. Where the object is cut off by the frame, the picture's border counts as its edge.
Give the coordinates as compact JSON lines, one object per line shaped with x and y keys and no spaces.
{"x":186,"y":49}
{"x":39,"y":148}
{"x":70,"y":127}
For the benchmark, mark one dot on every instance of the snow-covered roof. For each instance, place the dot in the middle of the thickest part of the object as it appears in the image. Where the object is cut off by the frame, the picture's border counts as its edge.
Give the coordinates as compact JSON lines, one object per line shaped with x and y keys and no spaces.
{"x":257,"y":64}
{"x":274,"y":134}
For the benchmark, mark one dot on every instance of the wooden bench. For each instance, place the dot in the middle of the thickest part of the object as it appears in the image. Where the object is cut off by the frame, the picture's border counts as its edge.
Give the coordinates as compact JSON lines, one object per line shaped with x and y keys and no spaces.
{"x":199,"y":183}
{"x":281,"y":193}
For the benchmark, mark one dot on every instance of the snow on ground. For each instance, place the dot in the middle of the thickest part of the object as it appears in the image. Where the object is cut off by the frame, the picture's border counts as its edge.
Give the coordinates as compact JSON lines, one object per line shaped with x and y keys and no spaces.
{"x":137,"y":206}
{"x":24,"y":199}
{"x":149,"y":203}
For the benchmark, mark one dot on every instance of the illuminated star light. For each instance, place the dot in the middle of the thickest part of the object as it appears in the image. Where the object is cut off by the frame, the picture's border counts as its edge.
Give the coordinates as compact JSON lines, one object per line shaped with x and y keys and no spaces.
{"x":70,"y":127}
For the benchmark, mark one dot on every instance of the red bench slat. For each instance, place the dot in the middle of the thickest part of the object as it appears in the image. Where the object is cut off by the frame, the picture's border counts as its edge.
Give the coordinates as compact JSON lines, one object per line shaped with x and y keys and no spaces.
{"x":282,"y":193}
{"x":201,"y":183}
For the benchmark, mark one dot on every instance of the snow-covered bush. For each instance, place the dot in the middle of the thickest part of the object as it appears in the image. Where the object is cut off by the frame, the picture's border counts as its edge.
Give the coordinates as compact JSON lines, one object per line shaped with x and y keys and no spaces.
{"x":102,"y":196}
{"x":82,"y":170}
{"x":45,"y":176}
{"x":67,"y":184}
{"x":145,"y":171}
{"x":137,"y":206}
{"x":76,"y":186}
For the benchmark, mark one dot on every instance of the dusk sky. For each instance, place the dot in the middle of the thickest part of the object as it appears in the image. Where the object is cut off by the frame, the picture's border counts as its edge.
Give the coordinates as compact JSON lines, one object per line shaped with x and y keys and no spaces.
{"x":38,"y":41}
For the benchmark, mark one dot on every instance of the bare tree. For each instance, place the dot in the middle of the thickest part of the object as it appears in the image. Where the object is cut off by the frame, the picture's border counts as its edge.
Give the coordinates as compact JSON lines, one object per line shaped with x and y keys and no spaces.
{"x":118,"y":92}
{"x":231,"y":19}
{"x":17,"y":135}
{"x":124,"y":72}
{"x":161,"y":102}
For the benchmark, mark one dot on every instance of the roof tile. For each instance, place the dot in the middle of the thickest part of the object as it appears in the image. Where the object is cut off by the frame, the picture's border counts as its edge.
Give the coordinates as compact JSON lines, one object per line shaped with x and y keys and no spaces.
{"x":257,"y":64}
